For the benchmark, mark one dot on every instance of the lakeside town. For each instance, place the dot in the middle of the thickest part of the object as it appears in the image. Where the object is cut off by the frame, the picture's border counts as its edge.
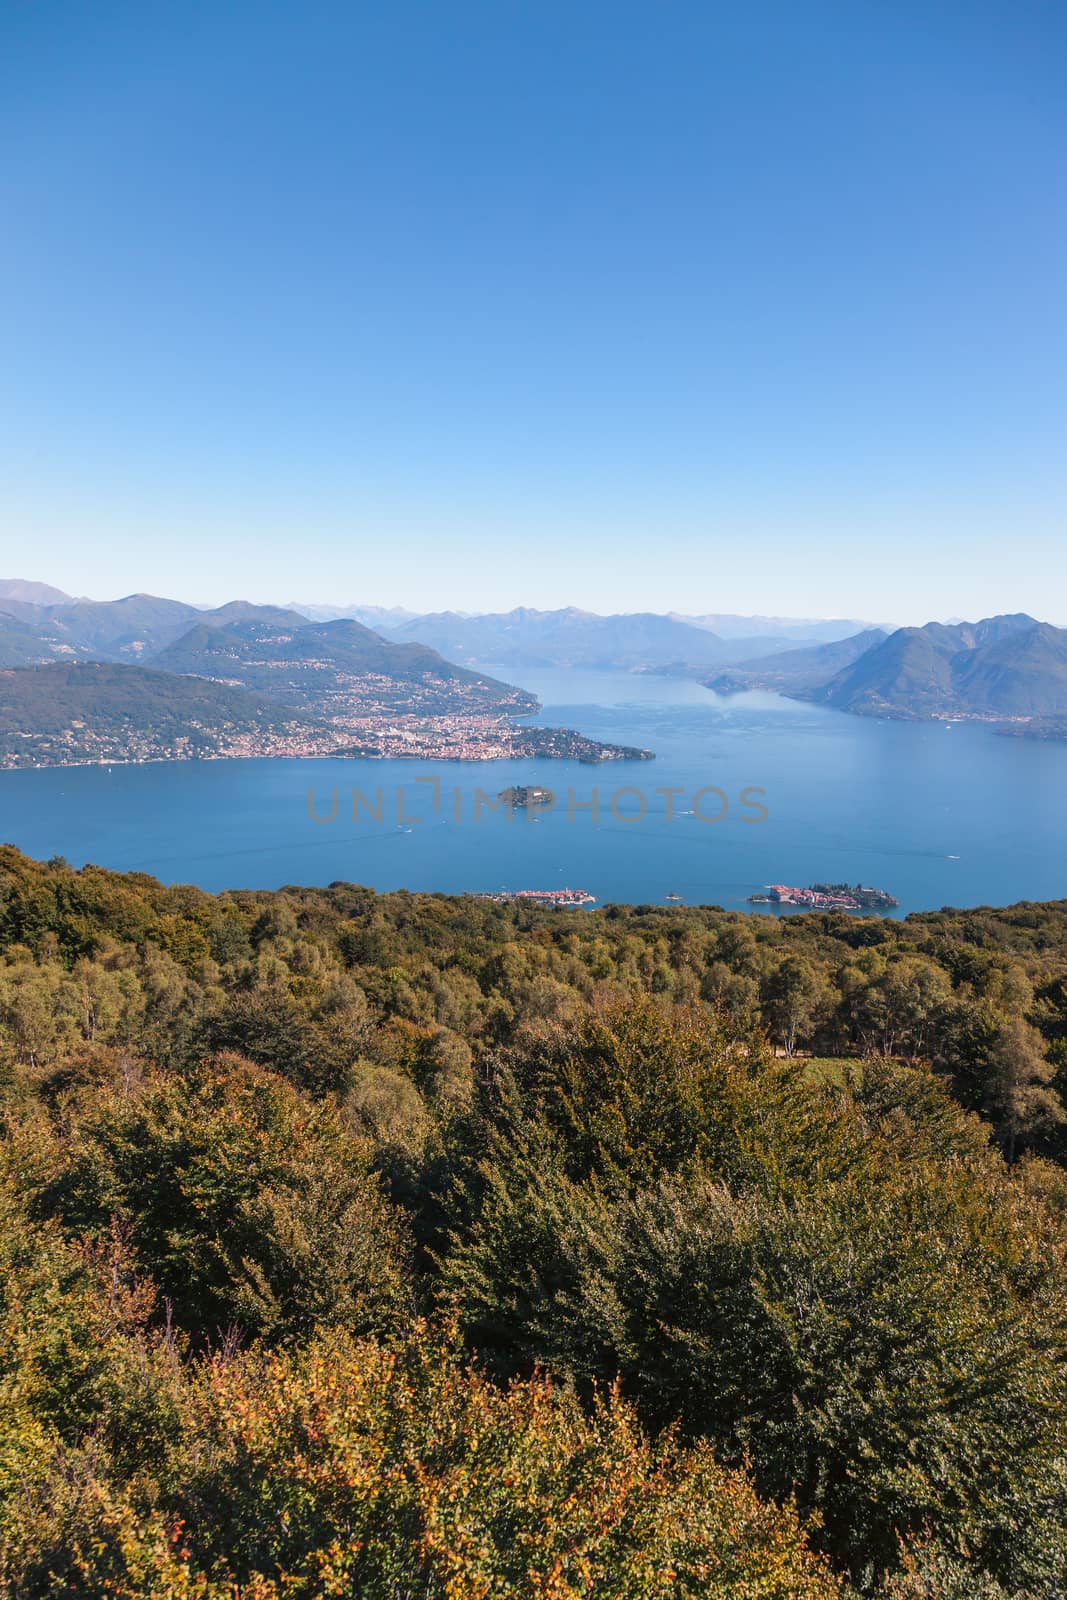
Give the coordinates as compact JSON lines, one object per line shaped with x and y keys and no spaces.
{"x":451,"y":737}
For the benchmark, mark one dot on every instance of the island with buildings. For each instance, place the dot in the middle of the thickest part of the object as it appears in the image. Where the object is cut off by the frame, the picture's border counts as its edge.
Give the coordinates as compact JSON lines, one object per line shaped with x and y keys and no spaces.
{"x":527,"y":796}
{"x":826,"y":897}
{"x":550,"y":899}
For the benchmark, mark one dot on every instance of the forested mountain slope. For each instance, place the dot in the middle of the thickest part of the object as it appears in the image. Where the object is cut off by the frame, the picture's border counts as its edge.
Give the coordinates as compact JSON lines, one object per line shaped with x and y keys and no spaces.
{"x":1005,"y":666}
{"x":321,"y":664}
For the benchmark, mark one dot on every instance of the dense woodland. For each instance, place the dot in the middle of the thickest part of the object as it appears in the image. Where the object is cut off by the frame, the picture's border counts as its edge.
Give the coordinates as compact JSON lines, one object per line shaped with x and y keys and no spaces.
{"x":403,"y":1245}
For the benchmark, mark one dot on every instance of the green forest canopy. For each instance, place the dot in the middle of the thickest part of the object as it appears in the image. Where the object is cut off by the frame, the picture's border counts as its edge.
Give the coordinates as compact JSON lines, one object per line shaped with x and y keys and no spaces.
{"x":362,"y":1244}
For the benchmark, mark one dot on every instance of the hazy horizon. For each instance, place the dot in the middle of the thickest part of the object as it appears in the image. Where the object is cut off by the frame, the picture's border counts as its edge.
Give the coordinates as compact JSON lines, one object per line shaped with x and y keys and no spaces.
{"x":725,"y":610}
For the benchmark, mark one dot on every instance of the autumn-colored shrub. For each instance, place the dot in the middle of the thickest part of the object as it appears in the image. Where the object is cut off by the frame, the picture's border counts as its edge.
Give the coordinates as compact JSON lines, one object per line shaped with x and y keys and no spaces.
{"x":351,"y":1469}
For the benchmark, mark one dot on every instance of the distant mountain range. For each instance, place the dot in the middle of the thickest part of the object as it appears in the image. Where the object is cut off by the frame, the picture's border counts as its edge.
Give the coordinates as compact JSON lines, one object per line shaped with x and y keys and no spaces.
{"x":795,"y":630}
{"x":627,"y":642}
{"x":340,"y":668}
{"x":139,"y":627}
{"x":567,"y":638}
{"x":526,"y":626}
{"x":378,"y":617}
{"x":276,"y":652}
{"x":1003,"y":667}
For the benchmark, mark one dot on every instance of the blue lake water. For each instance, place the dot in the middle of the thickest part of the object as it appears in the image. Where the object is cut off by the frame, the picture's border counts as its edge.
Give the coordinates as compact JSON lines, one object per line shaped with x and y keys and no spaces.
{"x":938,"y":815}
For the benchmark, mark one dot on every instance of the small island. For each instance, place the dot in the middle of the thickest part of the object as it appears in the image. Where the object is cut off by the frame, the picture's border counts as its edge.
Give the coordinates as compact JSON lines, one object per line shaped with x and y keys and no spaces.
{"x":827,"y":897}
{"x":522,"y":795}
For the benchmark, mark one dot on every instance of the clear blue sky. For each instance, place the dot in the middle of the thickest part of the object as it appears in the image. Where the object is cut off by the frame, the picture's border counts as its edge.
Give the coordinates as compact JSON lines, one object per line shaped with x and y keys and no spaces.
{"x":667,"y":305}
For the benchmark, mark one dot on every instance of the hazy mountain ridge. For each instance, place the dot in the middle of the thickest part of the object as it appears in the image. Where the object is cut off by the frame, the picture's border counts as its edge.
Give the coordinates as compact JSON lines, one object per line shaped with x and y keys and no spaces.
{"x":798,"y":630}
{"x":138,"y":627}
{"x":32,"y":593}
{"x":791,"y":671}
{"x":765,"y":632}
{"x":377,"y":617}
{"x":570,"y":637}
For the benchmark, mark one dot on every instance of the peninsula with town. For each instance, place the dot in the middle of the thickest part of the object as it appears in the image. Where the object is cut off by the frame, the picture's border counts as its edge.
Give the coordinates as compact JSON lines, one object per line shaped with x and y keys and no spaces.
{"x":145,"y":679}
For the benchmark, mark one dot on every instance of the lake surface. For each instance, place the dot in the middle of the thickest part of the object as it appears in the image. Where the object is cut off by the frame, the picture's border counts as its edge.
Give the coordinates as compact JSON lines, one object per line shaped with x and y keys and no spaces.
{"x":938,"y":815}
